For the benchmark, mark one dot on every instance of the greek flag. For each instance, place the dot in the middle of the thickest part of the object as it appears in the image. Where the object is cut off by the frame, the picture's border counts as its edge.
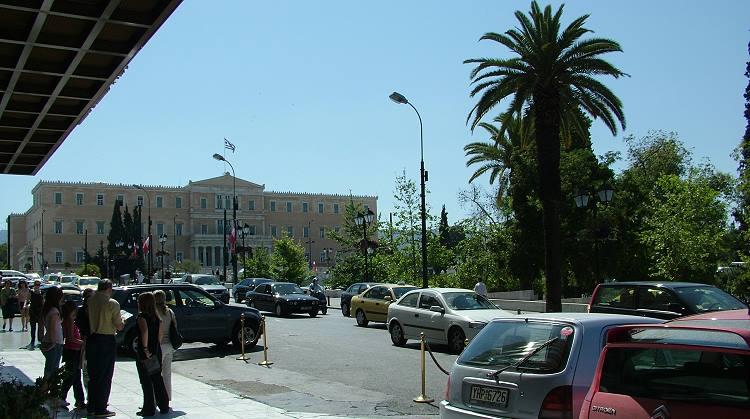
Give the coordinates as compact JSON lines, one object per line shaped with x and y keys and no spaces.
{"x":228,"y":145}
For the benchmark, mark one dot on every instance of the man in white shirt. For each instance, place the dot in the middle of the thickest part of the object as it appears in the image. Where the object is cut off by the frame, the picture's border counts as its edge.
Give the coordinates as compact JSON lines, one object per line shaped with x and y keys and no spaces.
{"x":480,"y":288}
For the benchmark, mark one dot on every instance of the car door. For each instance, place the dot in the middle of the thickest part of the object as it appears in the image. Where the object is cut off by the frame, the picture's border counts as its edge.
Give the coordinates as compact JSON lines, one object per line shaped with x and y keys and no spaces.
{"x":202,"y":320}
{"x":372,"y":303}
{"x":263,"y":297}
{"x":431,"y":322}
{"x":406,"y":312}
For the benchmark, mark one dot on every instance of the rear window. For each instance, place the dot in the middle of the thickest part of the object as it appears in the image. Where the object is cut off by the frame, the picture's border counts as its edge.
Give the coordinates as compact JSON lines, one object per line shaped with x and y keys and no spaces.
{"x":616,"y":297}
{"x":702,"y":377}
{"x":688,"y":337}
{"x":505,"y":343}
{"x":703,"y":299}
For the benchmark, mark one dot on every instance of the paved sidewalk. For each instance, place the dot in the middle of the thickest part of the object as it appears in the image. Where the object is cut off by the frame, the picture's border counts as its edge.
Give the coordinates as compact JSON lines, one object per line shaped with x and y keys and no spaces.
{"x":191,"y":398}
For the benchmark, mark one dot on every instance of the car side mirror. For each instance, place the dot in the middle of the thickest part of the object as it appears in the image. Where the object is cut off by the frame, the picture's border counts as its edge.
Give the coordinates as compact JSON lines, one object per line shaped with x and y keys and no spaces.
{"x":388,"y":298}
{"x":437,"y":309}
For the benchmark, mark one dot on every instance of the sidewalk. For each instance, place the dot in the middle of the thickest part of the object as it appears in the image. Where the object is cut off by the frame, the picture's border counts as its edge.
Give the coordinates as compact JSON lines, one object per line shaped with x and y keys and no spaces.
{"x":191,"y":398}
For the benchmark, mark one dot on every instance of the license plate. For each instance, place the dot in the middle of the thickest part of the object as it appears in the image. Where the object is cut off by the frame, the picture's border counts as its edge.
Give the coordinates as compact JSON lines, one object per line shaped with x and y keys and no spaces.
{"x":497,"y":396}
{"x":306,"y":308}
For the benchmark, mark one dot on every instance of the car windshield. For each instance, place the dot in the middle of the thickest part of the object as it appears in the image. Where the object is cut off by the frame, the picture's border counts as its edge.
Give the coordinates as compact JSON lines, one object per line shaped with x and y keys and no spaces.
{"x":67,"y":279}
{"x":207,"y":280}
{"x":399,"y":291}
{"x":505,"y":343}
{"x":287,"y":289}
{"x":703,"y":299}
{"x":89,"y":281}
{"x":467,"y":301}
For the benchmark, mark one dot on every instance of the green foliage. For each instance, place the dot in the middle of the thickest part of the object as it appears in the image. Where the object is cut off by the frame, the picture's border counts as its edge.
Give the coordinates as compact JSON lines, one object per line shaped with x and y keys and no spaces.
{"x":742,"y":155}
{"x":89,"y":269}
{"x":18,"y":400}
{"x":116,"y":229}
{"x":258,"y":265}
{"x":288,"y":261}
{"x":4,"y":255}
{"x":189,"y":266}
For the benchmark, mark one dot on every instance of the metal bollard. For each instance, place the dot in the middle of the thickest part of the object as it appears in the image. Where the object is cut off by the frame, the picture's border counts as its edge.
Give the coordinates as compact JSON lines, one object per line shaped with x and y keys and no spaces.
{"x":422,"y":398}
{"x":265,"y":362}
{"x":242,"y":357}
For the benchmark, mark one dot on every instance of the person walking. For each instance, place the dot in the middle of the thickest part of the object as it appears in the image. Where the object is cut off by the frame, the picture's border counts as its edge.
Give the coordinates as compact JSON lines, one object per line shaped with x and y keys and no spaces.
{"x":23,"y":294}
{"x":152,"y":384}
{"x":36,"y":303}
{"x":104,"y":321}
{"x":480,"y":288}
{"x":166,"y":315}
{"x":82,"y":322}
{"x":72,"y":356}
{"x":8,"y":302}
{"x":51,"y":337}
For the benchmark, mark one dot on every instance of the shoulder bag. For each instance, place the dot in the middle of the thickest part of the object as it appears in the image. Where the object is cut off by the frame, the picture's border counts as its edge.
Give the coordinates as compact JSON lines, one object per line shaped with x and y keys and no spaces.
{"x":151,"y":365}
{"x":174,"y":335}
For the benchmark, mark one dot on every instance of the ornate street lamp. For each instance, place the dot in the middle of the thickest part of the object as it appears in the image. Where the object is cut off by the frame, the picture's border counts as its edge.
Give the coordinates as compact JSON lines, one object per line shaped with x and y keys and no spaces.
{"x":364,"y":219}
{"x":582,"y":199}
{"x":219,"y":157}
{"x":162,"y":241}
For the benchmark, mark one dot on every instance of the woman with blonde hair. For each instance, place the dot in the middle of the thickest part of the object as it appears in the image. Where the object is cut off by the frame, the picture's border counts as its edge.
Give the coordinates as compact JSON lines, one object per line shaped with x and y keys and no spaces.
{"x":166,"y":315}
{"x":152,"y":384}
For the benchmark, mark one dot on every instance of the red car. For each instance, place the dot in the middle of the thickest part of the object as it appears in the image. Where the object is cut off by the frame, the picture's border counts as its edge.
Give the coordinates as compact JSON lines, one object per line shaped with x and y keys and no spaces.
{"x":692,"y":367}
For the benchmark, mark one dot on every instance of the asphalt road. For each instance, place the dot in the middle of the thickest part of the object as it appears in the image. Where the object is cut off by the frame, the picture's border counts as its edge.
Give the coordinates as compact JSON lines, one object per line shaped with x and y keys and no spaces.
{"x":324,"y":365}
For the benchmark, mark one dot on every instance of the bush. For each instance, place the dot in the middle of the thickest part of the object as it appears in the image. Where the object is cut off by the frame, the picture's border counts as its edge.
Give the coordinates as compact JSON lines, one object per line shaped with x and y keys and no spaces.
{"x":89,"y":270}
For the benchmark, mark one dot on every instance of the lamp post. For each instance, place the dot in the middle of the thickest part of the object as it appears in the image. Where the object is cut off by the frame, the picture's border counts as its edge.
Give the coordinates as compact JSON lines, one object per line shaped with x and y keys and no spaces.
{"x":118,"y":245}
{"x":245,"y":231}
{"x":150,"y":241}
{"x":309,"y":243}
{"x":219,"y":157}
{"x":400,"y":99}
{"x":162,"y":240}
{"x":44,"y":265}
{"x":174,"y":244}
{"x":582,"y":200}
{"x":363,"y":219}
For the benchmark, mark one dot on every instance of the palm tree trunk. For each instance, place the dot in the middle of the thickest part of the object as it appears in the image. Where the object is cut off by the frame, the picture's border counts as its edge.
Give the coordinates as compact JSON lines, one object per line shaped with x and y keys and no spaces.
{"x":547,"y":119}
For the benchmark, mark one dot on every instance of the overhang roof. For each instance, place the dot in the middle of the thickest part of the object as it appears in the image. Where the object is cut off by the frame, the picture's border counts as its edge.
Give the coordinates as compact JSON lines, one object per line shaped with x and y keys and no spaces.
{"x":58,"y":58}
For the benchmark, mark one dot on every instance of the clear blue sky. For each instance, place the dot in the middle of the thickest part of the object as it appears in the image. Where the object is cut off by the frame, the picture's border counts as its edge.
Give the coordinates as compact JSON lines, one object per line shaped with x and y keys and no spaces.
{"x":301,"y":88}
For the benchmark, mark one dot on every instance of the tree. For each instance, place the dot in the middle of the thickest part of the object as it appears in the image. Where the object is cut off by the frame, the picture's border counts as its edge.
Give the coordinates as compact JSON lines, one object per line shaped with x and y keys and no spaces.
{"x":116,"y":229}
{"x":189,"y":266}
{"x":288,"y":261}
{"x":550,"y":80}
{"x":742,"y":154}
{"x":258,"y":265}
{"x":4,"y":255}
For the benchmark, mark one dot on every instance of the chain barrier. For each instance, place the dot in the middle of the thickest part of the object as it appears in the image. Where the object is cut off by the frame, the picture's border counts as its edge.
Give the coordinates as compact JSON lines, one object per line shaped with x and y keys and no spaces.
{"x":435,"y":360}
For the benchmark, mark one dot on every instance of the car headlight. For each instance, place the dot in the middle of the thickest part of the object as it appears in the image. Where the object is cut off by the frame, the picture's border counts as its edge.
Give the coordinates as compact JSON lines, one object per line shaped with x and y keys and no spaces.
{"x":477,"y":325}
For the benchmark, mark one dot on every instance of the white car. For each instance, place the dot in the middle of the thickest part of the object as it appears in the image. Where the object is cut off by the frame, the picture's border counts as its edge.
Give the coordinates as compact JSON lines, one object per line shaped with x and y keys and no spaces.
{"x":445,"y":315}
{"x":89,"y":282}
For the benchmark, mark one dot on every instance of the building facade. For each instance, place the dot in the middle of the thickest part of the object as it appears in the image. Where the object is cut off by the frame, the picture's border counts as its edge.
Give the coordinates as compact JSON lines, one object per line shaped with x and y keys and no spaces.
{"x":65,"y":217}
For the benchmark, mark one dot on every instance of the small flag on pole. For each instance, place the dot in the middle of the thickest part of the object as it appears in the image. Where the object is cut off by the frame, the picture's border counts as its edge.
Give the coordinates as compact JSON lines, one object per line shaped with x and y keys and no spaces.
{"x":233,"y":240}
{"x":147,"y":245}
{"x":228,"y":145}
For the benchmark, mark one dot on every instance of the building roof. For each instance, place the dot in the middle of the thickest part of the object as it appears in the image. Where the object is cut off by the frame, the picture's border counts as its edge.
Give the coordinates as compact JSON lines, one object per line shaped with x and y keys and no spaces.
{"x":57,"y":61}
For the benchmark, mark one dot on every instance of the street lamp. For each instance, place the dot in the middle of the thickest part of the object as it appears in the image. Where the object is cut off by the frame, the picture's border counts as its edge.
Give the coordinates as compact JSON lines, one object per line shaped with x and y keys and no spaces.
{"x":150,"y":242}
{"x":245,"y":231}
{"x":219,"y":157}
{"x":363,"y":219}
{"x":400,"y":99}
{"x":582,"y":199}
{"x":162,"y":240}
{"x":44,"y":265}
{"x":118,"y":244}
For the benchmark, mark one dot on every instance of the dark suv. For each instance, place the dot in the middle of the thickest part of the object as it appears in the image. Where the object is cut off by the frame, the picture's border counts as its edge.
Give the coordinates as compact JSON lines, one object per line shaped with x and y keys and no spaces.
{"x":661,"y":300}
{"x":200,"y":316}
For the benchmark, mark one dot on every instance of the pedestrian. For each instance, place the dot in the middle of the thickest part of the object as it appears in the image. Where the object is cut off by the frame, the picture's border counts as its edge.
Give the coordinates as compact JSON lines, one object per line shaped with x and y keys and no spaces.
{"x":104,"y":321}
{"x":82,"y":321}
{"x":52,"y":338}
{"x":166,"y":315}
{"x":36,"y":303}
{"x":9,"y":303}
{"x":139,"y":277}
{"x":72,"y":356}
{"x":23,"y":303}
{"x":480,"y":288}
{"x":152,"y":383}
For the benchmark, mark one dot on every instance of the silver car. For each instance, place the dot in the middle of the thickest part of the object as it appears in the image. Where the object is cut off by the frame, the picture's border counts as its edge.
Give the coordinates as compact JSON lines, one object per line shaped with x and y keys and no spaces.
{"x":530,"y":366}
{"x":210,"y":284}
{"x":444,"y":315}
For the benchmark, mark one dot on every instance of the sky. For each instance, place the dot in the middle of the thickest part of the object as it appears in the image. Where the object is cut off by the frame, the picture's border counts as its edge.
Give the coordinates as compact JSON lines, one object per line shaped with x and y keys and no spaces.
{"x":301,"y":88}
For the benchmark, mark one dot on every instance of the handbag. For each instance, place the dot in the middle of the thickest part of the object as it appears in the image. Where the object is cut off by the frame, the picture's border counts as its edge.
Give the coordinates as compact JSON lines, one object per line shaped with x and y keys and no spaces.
{"x":151,"y":365}
{"x":175,"y":338}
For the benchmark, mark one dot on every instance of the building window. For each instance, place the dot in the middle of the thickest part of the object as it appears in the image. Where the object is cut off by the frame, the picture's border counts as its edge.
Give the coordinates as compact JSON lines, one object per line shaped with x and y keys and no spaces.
{"x":100,"y":199}
{"x":273,"y":231}
{"x":305,"y":232}
{"x":100,"y":227}
{"x":204,"y":203}
{"x":227,"y":202}
{"x":179,"y":257}
{"x":58,"y":256}
{"x":204,"y":228}
{"x":178,"y":229}
{"x":219,"y":226}
{"x":79,"y":199}
{"x":335,"y":208}
{"x":367,"y":208}
{"x":321,"y":207}
{"x":304,"y":207}
{"x":178,"y":202}
{"x":159,"y":202}
{"x":159,"y":229}
{"x":290,"y":231}
{"x":322,"y":256}
{"x":58,"y":198}
{"x":58,"y":227}
{"x":273,"y":206}
{"x":252,"y":231}
{"x":288,"y":206}
{"x":322,"y":233}
{"x":121,"y":199}
{"x":79,"y":227}
{"x":219,"y":202}
{"x":251,"y":205}
{"x":337,"y":229}
{"x":139,"y":200}
{"x":80,"y":257}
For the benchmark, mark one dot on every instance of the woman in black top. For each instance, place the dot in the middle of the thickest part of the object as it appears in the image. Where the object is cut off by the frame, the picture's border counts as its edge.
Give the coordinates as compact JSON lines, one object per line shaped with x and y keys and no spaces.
{"x":148,"y":346}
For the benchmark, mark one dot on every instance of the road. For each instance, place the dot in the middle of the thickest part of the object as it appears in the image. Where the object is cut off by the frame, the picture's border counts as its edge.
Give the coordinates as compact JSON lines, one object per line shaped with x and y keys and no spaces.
{"x":324,"y":365}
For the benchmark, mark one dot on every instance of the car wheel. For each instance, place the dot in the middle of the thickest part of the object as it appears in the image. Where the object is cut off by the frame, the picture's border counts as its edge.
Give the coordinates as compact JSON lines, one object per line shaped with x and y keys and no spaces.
{"x":397,"y":335}
{"x":279,"y":310}
{"x":313,"y":313}
{"x":131,"y":340}
{"x":345,"y":309}
{"x":456,"y":340}
{"x":251,"y":336}
{"x":361,"y":318}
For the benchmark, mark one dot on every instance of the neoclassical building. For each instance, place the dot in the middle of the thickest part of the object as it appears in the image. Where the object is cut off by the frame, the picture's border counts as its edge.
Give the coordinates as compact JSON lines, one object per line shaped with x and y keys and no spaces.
{"x":64,"y":214}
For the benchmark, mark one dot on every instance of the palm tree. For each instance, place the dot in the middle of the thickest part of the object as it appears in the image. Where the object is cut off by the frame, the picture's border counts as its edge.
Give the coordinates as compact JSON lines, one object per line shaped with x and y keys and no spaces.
{"x":550,"y":78}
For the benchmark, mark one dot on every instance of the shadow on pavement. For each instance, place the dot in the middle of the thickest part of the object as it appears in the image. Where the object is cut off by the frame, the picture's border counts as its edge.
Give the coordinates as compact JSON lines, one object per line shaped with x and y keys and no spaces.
{"x":213,"y":351}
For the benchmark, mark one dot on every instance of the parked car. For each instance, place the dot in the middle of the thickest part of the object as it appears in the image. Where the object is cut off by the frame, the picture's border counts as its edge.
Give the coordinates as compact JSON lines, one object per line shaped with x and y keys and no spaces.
{"x":662,"y":300}
{"x":210,"y":283}
{"x":692,"y":367}
{"x":14,"y":275}
{"x":200,"y":316}
{"x":70,"y":292}
{"x":51,"y":278}
{"x":89,"y":282}
{"x":354,"y":289}
{"x":372,"y":305}
{"x":69,"y":279}
{"x":529,"y":366}
{"x":445,"y":315}
{"x":247,"y":284}
{"x":282,"y":298}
